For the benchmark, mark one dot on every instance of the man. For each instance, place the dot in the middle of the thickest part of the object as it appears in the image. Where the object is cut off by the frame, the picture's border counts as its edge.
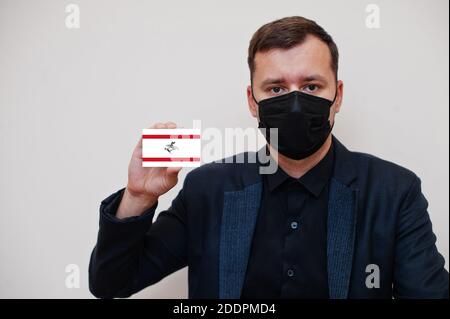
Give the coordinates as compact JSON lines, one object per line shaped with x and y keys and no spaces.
{"x":329,"y":223}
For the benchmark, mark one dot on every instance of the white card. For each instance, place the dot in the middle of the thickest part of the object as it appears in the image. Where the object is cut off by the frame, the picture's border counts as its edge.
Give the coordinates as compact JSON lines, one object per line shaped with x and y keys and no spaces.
{"x":171,"y":147}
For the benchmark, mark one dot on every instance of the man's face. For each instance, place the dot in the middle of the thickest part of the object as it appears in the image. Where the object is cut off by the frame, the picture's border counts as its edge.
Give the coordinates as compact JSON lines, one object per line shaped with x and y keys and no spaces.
{"x":305,"y":67}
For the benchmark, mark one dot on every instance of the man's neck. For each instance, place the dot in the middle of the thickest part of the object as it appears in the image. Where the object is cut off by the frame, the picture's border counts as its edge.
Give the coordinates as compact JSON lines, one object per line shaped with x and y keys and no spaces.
{"x":298,"y":168}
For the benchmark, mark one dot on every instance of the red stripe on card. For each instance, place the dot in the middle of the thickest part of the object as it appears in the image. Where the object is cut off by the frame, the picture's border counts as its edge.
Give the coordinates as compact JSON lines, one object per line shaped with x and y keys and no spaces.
{"x":171,"y":159}
{"x":170,"y":136}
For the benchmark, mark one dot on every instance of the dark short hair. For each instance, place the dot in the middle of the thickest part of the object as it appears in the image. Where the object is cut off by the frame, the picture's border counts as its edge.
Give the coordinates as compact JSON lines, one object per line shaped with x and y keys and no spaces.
{"x":286,"y":33}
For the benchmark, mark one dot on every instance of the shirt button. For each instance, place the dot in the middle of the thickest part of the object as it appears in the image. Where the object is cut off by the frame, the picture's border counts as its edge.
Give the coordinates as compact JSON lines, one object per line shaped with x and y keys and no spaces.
{"x":290,"y":273}
{"x":294,"y":225}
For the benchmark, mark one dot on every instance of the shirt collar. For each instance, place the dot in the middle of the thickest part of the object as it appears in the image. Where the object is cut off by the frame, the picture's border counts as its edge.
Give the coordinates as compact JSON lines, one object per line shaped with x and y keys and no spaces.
{"x":314,"y":180}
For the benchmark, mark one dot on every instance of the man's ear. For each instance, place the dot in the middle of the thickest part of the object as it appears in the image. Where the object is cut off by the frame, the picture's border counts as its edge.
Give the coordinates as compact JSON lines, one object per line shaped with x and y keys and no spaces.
{"x":339,"y":97}
{"x":252,"y":106}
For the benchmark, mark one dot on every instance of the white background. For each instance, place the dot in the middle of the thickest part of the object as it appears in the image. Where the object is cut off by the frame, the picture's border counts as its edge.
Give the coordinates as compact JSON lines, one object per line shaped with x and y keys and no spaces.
{"x":73,"y":103}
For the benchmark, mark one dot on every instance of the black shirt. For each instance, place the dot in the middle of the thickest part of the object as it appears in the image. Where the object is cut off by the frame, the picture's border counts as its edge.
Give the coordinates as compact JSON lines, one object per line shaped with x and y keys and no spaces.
{"x":288,"y":258}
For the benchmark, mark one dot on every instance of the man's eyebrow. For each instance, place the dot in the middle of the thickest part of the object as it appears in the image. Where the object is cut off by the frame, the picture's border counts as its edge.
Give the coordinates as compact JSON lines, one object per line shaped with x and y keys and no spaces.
{"x":315,"y":77}
{"x":272,"y":81}
{"x":312,"y":77}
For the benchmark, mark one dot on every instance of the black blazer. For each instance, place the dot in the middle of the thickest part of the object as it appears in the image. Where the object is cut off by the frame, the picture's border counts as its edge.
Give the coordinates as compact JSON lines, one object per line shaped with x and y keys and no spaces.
{"x":377,"y":219}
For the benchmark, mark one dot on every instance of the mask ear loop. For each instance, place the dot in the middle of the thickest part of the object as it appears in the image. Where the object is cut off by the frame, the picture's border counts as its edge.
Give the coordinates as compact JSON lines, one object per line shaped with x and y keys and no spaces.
{"x":334,"y":100}
{"x":335,"y":96}
{"x":267,"y":131}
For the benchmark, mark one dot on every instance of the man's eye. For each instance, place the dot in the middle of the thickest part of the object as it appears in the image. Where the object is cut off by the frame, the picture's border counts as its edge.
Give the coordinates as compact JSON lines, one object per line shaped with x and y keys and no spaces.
{"x":311,"y":88}
{"x":275,"y":90}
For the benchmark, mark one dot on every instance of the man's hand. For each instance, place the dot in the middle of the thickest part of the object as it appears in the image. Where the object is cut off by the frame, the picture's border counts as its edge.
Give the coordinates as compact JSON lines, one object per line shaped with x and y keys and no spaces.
{"x":146,"y":184}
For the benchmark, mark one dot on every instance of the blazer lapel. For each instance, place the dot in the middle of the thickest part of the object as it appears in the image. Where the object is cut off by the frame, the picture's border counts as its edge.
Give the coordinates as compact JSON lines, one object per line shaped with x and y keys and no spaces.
{"x":341,"y":229}
{"x":340,"y":238}
{"x":240,"y":211}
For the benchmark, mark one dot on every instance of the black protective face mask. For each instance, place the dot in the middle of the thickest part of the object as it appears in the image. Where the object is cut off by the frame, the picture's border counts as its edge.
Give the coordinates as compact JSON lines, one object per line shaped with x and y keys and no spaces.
{"x":301,"y":119}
